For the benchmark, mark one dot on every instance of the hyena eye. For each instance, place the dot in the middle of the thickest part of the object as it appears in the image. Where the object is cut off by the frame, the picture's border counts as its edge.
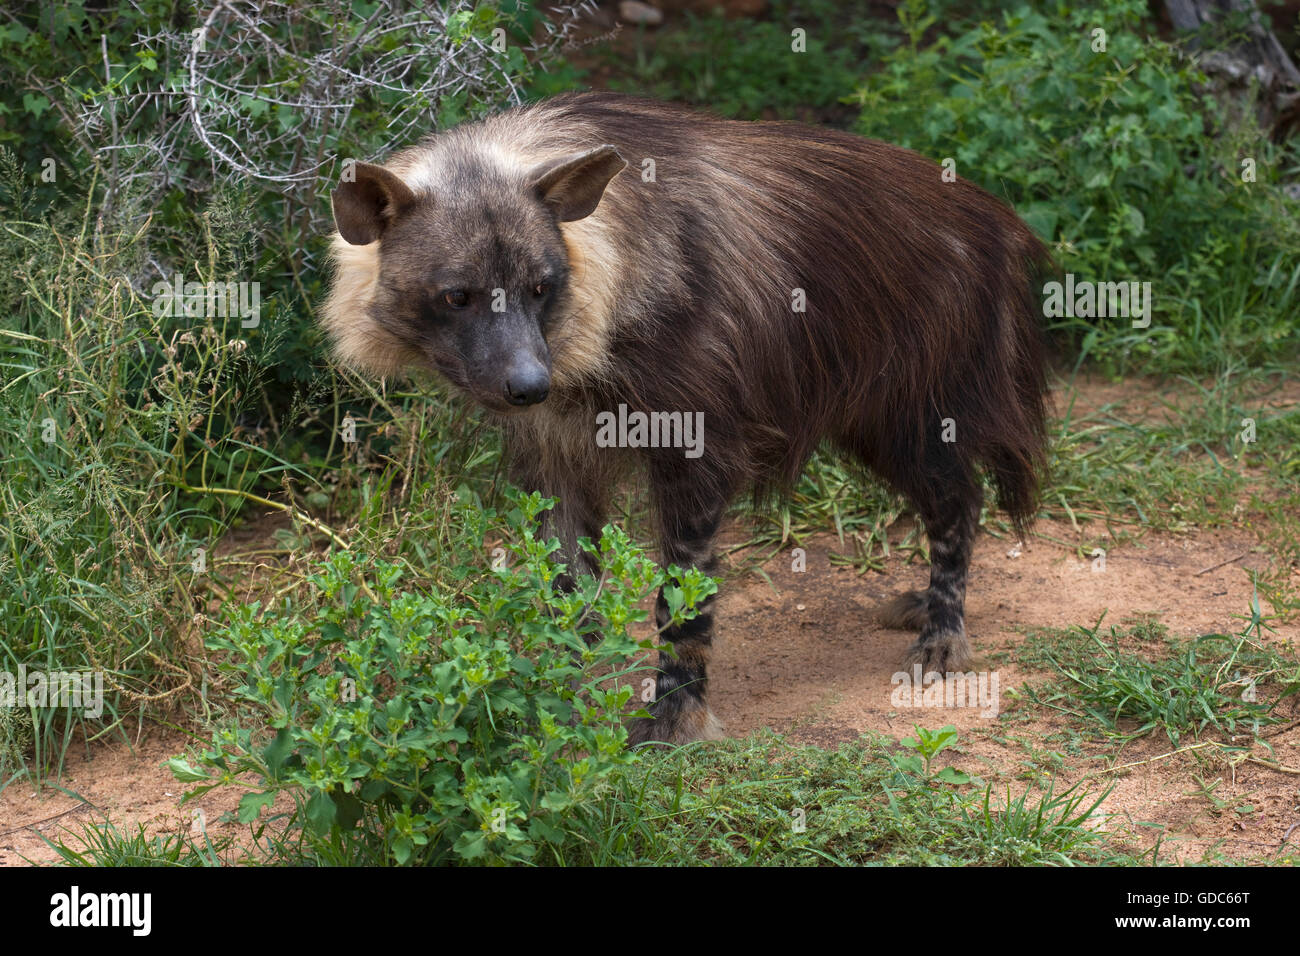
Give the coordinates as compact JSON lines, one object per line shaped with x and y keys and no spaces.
{"x":541,"y":289}
{"x":456,"y":298}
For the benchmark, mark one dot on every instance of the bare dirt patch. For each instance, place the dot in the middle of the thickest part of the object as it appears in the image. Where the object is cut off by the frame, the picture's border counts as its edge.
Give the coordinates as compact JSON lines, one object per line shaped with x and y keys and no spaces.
{"x":126,"y":784}
{"x":805,"y":656}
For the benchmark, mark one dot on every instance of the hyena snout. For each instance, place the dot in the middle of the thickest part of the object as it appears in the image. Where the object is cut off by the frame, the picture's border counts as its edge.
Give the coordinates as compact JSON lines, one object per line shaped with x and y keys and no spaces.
{"x":509,"y":363}
{"x":527,"y":380}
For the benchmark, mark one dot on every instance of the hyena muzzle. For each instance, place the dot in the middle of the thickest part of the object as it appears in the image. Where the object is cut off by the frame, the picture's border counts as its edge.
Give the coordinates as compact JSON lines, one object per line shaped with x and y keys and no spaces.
{"x":792,"y":285}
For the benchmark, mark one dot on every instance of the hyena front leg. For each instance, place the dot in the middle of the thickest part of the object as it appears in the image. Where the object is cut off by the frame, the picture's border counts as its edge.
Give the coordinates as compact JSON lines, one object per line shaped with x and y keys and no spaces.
{"x":579,"y":512}
{"x":940,"y":610}
{"x":680,"y":709}
{"x":582,"y":505}
{"x":575,"y":515}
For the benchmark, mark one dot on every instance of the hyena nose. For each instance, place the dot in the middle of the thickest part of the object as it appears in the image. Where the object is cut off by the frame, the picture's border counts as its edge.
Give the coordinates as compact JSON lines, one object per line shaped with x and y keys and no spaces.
{"x":528,"y":385}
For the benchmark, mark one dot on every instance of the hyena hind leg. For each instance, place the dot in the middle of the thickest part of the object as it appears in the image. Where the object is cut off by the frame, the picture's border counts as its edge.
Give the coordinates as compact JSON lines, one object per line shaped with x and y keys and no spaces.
{"x":943,"y":645}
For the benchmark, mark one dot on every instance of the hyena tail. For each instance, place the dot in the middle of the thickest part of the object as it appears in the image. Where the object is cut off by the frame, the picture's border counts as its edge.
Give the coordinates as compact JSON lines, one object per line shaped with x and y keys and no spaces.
{"x":1014,"y":451}
{"x":1005,"y":390}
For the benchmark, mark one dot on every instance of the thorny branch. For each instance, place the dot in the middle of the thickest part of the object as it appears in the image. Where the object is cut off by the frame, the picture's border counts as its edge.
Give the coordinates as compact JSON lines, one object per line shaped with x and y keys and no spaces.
{"x":267,"y":87}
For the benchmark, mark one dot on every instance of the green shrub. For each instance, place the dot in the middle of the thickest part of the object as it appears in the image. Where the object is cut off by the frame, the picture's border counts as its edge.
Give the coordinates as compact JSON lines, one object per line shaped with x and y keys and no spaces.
{"x":742,"y":68}
{"x":1119,"y":159}
{"x":459,"y":724}
{"x":134,"y":438}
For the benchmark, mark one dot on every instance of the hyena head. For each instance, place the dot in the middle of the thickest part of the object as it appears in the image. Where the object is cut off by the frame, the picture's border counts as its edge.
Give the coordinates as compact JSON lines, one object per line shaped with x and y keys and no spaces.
{"x":473,"y":272}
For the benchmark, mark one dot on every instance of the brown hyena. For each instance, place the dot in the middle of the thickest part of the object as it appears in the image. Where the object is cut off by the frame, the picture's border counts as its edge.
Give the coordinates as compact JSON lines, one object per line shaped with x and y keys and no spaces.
{"x":790,"y":284}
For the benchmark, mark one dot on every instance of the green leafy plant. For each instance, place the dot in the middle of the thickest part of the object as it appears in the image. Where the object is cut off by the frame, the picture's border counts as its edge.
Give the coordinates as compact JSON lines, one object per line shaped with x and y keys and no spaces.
{"x":927,"y":745}
{"x":462,"y":723}
{"x":1110,"y":149}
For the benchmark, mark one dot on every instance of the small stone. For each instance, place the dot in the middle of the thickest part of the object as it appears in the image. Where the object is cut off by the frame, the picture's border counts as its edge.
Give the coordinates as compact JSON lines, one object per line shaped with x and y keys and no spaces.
{"x":639,"y":14}
{"x":799,"y":607}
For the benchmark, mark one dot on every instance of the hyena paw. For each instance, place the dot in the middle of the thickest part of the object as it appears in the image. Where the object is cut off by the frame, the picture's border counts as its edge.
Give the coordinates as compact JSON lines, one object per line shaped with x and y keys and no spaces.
{"x":941,"y":651}
{"x":675,"y":727}
{"x":909,"y":611}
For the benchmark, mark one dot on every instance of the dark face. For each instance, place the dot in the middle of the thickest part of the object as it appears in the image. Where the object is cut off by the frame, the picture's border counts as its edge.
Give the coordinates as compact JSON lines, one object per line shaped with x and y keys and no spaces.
{"x":474,"y":279}
{"x":475,"y":290}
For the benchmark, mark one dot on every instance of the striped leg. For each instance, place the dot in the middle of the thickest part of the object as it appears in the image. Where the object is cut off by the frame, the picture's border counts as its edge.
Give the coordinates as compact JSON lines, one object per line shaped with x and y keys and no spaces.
{"x":940,"y":610}
{"x":680,"y":709}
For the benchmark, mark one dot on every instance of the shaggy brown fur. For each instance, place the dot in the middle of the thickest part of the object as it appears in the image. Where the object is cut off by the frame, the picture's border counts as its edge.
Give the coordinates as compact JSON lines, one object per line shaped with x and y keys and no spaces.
{"x":918,"y":351}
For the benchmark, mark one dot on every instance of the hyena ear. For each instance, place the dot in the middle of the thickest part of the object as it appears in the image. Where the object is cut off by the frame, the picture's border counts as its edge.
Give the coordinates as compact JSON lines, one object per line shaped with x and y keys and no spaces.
{"x":573,"y":185}
{"x":365,"y":204}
